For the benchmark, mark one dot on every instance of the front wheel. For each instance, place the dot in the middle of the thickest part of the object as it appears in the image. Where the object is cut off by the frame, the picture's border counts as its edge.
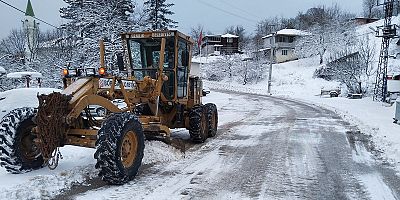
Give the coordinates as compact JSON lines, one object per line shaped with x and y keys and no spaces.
{"x":19,"y":152}
{"x":120,"y":147}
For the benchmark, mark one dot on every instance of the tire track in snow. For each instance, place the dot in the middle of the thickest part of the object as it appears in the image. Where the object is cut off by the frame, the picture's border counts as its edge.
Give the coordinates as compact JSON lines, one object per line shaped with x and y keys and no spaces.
{"x":277,"y":149}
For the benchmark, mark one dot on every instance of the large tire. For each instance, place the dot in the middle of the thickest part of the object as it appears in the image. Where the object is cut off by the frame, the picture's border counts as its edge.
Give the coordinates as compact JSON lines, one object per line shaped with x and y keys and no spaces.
{"x":19,"y":153}
{"x":198,"y":126}
{"x":120,"y":146}
{"x":212,"y":119}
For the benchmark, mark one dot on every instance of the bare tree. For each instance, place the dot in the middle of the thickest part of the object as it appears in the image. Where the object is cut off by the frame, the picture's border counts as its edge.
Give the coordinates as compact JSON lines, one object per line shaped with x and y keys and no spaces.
{"x":353,"y":66}
{"x":367,"y":54}
{"x":368,"y":6}
{"x":14,"y":44}
{"x":195,"y":34}
{"x":239,"y":31}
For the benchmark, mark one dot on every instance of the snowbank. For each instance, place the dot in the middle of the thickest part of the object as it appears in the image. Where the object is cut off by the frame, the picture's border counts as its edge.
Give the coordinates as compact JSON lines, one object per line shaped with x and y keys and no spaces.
{"x":22,"y":97}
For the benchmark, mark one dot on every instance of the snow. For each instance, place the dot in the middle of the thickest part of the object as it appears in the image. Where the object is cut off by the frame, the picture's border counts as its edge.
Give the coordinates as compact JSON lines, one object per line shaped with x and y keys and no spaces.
{"x":291,"y":32}
{"x":204,"y":60}
{"x":24,"y":74}
{"x":77,"y":166}
{"x":211,"y":59}
{"x":228,"y":35}
{"x":2,"y":71}
{"x":294,"y":80}
{"x":22,"y":97}
{"x":376,"y":184}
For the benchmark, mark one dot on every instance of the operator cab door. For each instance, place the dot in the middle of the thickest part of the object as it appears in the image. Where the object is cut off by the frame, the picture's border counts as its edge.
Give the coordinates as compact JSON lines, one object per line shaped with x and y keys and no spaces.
{"x":182,"y":70}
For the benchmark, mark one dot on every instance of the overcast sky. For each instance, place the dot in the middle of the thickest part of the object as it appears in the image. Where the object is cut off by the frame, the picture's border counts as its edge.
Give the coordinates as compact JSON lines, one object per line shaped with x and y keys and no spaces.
{"x":214,"y":15}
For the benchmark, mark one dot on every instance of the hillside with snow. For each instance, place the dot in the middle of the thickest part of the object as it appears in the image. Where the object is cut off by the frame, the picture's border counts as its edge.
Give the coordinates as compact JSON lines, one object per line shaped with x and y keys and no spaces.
{"x":295,"y":80}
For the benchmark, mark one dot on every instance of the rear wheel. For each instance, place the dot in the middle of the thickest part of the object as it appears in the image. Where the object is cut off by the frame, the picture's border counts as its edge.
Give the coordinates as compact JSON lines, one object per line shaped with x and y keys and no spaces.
{"x":120,"y":147}
{"x":212,"y":119}
{"x":198,"y":126}
{"x":19,"y":152}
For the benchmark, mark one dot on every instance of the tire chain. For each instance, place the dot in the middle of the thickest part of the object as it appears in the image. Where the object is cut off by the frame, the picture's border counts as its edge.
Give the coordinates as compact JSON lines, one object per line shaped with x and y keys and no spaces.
{"x":51,"y":124}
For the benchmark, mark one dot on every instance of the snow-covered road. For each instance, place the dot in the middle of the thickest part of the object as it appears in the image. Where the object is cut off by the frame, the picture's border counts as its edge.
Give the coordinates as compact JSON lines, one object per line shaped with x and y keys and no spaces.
{"x":266,"y":148}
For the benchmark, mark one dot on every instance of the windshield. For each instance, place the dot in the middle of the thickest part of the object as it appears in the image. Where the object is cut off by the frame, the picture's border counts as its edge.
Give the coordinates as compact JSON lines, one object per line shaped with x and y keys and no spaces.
{"x":145,"y":56}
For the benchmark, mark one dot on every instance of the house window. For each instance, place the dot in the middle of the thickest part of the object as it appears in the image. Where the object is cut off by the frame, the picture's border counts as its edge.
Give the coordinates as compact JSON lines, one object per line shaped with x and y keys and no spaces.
{"x":291,"y":39}
{"x":229,"y":40}
{"x":284,"y":52}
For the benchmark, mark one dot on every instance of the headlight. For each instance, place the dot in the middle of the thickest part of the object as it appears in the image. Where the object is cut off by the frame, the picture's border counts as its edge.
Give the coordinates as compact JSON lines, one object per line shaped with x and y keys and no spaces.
{"x":102,"y":71}
{"x":65,"y":72}
{"x":72,"y":72}
{"x":90,"y":71}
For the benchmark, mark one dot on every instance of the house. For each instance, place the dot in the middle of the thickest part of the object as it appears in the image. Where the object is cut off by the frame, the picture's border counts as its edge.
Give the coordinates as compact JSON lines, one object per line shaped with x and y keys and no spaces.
{"x":220,"y":44}
{"x":283,"y":43}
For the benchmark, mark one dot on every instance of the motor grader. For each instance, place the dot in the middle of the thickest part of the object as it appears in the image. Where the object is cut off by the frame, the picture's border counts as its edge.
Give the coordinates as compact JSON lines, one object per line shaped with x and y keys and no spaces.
{"x":154,"y":82}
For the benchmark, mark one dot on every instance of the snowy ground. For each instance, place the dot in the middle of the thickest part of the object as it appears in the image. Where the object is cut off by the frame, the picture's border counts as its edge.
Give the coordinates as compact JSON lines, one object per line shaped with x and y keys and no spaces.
{"x":77,"y":167}
{"x":295,"y":80}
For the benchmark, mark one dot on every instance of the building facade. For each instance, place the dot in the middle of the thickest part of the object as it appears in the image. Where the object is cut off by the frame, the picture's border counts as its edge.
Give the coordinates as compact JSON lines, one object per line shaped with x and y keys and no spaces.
{"x":282,"y":44}
{"x":220,"y":44}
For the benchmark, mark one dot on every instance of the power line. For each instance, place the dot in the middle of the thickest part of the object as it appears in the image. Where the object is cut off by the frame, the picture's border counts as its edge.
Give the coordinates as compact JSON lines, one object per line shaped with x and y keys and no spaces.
{"x":225,"y":11}
{"x":240,"y":9}
{"x":15,"y":8}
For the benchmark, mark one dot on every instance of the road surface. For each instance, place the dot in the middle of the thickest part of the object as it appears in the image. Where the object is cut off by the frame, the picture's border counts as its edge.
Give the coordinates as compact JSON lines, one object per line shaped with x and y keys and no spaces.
{"x":266,"y":148}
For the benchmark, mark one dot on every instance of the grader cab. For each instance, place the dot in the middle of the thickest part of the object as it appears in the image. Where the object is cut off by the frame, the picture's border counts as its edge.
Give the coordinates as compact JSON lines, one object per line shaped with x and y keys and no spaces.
{"x":154,"y":82}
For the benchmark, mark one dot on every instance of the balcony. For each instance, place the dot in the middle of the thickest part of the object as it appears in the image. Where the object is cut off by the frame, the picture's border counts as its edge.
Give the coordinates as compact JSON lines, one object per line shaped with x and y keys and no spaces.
{"x":282,"y":45}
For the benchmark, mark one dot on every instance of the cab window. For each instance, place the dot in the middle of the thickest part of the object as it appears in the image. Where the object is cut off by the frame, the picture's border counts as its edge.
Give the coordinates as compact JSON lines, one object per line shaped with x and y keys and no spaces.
{"x":182,"y":69}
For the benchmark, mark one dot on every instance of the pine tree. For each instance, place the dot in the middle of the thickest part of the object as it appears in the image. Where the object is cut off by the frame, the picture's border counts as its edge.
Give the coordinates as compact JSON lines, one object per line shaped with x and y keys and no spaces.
{"x":157,"y":14}
{"x":91,"y":21}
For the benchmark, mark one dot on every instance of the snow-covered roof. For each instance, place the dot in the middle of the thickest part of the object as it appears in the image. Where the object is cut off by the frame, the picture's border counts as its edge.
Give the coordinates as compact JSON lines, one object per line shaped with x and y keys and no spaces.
{"x":24,"y":74}
{"x":212,"y":35}
{"x":2,"y":70}
{"x":288,"y":31}
{"x":229,"y":36}
{"x":291,"y":32}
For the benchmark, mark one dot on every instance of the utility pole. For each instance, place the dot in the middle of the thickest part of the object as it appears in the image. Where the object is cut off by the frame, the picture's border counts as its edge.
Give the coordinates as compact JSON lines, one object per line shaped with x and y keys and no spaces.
{"x":388,"y":32}
{"x":272,"y":58}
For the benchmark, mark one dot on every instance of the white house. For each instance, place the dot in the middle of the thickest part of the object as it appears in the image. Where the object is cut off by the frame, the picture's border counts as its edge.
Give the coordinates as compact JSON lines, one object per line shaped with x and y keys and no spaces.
{"x":283,"y":43}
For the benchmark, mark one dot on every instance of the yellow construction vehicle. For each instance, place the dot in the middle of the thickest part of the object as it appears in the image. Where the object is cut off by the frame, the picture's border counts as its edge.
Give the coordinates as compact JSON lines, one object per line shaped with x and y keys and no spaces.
{"x":158,"y":92}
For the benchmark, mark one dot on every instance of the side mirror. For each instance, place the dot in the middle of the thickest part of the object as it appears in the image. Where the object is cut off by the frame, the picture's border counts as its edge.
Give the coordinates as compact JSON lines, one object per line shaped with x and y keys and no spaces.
{"x":205,"y":92}
{"x":120,"y":62}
